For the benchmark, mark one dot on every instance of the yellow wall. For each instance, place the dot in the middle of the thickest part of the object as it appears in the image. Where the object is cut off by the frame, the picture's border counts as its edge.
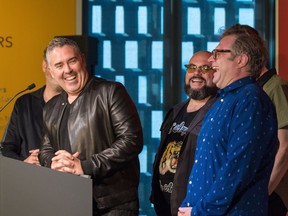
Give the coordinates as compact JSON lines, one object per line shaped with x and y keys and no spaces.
{"x":26,"y":26}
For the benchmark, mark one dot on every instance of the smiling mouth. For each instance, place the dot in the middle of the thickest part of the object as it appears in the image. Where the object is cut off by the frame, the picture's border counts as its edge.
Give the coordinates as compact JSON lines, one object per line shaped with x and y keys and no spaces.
{"x":70,"y":78}
{"x":197,"y":80}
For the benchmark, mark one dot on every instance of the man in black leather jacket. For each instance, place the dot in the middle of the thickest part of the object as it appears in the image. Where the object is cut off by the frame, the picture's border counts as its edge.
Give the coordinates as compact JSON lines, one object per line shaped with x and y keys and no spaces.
{"x":92,"y":128}
{"x":175,"y":157}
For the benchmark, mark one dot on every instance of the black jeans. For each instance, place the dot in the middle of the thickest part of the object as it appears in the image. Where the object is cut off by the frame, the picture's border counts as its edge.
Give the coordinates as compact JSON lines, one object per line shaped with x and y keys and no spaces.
{"x":120,"y":213}
{"x":276,"y":207}
{"x":126,"y":209}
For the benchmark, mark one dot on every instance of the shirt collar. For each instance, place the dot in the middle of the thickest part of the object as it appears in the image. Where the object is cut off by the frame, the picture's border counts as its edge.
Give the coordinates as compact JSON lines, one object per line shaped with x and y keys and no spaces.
{"x":237,"y":84}
{"x":266,"y":76}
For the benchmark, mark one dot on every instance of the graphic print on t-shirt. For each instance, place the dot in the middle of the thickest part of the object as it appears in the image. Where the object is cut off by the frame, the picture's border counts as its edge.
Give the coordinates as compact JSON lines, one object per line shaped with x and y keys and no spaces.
{"x":170,"y":157}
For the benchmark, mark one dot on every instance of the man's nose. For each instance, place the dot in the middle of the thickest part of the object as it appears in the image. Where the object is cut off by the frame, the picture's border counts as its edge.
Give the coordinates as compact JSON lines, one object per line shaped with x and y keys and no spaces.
{"x":67,"y":68}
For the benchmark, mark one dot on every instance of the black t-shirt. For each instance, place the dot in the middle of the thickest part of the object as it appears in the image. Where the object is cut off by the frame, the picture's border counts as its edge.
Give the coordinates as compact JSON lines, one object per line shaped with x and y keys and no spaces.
{"x":169,"y":159}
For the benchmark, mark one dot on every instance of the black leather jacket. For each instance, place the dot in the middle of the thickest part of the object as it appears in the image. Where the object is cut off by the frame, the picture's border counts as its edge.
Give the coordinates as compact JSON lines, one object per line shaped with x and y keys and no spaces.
{"x":104,"y":127}
{"x":185,"y":161}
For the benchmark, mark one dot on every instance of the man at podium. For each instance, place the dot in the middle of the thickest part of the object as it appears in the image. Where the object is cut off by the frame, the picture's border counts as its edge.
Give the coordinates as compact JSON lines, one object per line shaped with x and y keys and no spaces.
{"x":92,"y":128}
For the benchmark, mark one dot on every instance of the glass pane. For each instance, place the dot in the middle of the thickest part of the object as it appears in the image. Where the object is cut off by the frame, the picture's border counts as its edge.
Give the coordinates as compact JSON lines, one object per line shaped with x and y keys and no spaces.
{"x":120,"y":79}
{"x":157,"y":119}
{"x":143,"y":158}
{"x":211,"y":45}
{"x":142,"y":89}
{"x":106,"y":54}
{"x":187,"y":51}
{"x":142,"y":20}
{"x":246,"y":16}
{"x":194,"y":21}
{"x":96,"y":19}
{"x":131,"y":54}
{"x":219,"y":14}
{"x":119,"y":20}
{"x":157,"y":54}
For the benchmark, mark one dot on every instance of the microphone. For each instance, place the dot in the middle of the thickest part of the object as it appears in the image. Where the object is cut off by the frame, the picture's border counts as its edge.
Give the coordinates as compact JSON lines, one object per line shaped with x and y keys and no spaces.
{"x":31,"y":86}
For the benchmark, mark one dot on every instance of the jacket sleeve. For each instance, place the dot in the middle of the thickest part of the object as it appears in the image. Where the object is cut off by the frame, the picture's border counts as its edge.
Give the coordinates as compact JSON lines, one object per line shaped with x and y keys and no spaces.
{"x":127,"y":141}
{"x":47,"y":151}
{"x":11,"y":141}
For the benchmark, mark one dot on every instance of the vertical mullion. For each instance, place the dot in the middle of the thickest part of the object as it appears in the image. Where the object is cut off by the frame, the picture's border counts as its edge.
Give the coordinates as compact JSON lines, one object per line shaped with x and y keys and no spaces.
{"x":172,"y":50}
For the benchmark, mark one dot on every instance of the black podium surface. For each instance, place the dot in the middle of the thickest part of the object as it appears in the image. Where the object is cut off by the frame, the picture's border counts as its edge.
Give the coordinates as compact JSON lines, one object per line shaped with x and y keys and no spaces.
{"x":31,"y":190}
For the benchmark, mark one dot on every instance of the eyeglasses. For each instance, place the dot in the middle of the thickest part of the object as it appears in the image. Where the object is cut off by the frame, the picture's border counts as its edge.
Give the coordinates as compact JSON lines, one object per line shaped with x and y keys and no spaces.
{"x":216,"y":51}
{"x":191,"y":68}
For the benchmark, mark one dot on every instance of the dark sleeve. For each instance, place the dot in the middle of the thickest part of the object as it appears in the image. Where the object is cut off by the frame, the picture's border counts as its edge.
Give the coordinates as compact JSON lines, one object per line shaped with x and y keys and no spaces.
{"x":127,"y":129}
{"x":11,"y":141}
{"x":47,"y":151}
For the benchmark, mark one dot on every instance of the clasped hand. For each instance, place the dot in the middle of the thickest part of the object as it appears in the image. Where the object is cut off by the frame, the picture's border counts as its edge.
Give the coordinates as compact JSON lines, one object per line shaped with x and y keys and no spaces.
{"x":33,"y":157}
{"x":184,"y":211}
{"x":67,"y":162}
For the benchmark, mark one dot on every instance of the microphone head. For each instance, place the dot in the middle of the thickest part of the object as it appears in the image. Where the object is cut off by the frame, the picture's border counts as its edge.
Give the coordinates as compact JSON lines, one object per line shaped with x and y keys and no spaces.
{"x":31,"y":86}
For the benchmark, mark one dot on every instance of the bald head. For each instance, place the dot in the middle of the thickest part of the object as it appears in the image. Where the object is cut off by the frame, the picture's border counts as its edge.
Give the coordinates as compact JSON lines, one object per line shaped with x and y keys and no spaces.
{"x":203,"y":53}
{"x":199,"y":76}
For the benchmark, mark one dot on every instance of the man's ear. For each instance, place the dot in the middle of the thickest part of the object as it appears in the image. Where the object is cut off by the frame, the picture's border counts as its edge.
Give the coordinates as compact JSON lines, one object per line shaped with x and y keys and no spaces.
{"x":242,"y":60}
{"x":46,"y":69}
{"x":44,"y":65}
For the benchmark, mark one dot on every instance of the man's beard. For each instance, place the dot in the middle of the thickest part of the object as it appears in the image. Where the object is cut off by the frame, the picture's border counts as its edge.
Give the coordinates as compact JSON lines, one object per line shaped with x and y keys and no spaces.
{"x":200,"y":94}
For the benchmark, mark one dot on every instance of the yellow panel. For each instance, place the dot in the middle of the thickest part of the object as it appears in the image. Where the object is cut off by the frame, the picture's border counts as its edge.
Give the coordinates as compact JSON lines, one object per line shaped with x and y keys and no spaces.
{"x":25,"y":29}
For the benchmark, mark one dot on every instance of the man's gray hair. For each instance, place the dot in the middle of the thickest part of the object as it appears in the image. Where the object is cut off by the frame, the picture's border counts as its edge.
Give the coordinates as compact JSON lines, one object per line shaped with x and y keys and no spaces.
{"x":60,"y":42}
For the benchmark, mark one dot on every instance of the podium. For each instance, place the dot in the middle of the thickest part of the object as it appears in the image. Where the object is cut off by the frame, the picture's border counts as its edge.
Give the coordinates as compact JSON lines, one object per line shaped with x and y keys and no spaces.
{"x":32,"y":190}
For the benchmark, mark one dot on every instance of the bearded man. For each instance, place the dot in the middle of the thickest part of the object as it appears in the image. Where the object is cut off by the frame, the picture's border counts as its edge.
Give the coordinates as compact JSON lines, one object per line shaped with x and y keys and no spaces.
{"x":175,"y":156}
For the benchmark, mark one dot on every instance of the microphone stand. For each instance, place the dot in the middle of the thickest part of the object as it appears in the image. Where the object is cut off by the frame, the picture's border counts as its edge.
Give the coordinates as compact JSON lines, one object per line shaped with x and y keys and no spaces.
{"x":9,"y":101}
